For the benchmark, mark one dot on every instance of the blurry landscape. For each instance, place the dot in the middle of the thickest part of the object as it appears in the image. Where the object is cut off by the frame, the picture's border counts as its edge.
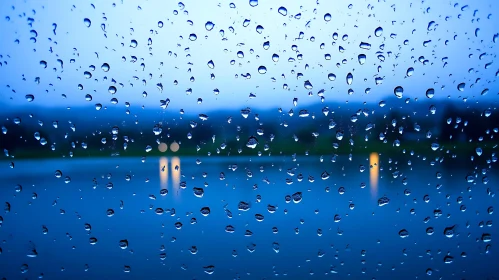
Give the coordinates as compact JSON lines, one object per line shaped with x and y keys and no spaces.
{"x":328,"y":129}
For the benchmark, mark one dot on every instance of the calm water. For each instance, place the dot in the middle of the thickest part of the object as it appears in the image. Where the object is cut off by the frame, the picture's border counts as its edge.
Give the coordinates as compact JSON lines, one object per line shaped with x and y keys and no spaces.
{"x":330,"y":231}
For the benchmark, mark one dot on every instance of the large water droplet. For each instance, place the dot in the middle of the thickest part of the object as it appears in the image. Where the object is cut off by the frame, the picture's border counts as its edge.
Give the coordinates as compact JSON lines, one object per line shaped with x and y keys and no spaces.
{"x":262,"y":69}
{"x":461,"y":86}
{"x":30,"y":97}
{"x":87,"y":22}
{"x":252,"y":142}
{"x":399,"y":91}
{"x":209,"y":25}
{"x":105,"y":67}
{"x":362,"y":59}
{"x":211,"y":64}
{"x":283,"y":11}
{"x":349,"y":78}
{"x":410,"y":71}
{"x":308,"y":85}
{"x":430,"y":93}
{"x":253,"y":3}
{"x":403,"y":233}
{"x":327,"y":17}
{"x":378,"y":31}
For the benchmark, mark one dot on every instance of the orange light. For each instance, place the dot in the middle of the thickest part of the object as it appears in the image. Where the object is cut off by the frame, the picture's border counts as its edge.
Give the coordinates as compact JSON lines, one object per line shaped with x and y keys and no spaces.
{"x":174,"y":147}
{"x":163,"y":147}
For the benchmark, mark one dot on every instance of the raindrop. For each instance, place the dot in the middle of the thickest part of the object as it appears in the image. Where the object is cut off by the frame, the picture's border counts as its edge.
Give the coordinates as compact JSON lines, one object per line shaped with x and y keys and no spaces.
{"x":362,"y":59}
{"x":105,"y":67}
{"x":87,"y":22}
{"x":92,"y":240}
{"x":123,"y":244}
{"x":430,"y":93}
{"x":461,"y":86}
{"x":282,"y":10}
{"x":399,"y":92}
{"x":209,"y":25}
{"x":403,"y":233}
{"x":378,"y":32}
{"x":30,"y":97}
{"x":327,"y":17}
{"x":349,"y":78}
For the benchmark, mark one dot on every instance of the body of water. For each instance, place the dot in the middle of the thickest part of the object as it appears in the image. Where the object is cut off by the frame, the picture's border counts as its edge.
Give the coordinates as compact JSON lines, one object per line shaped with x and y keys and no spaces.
{"x":241,"y":218}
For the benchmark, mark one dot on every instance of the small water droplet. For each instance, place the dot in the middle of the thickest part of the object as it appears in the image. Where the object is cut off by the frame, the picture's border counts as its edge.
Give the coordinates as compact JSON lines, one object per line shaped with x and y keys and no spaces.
{"x":87,"y":22}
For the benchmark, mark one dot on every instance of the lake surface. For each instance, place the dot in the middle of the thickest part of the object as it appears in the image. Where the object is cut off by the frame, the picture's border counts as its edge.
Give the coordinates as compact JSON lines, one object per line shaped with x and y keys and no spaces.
{"x":149,"y":219}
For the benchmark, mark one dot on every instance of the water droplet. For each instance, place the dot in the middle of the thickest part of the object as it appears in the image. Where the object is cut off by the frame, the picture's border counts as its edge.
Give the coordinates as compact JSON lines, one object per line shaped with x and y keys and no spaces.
{"x":378,"y":31}
{"x":282,"y":10}
{"x":349,"y":78}
{"x":253,"y":3}
{"x":262,"y":69}
{"x":210,"y":269}
{"x":112,"y":89}
{"x":430,"y":93}
{"x":403,"y":233}
{"x":193,"y":37}
{"x":24,"y":268}
{"x":87,"y":75}
{"x":123,"y":244}
{"x":160,"y":24}
{"x":210,"y":64}
{"x":362,"y":59}
{"x":209,"y":25}
{"x":87,"y":22}
{"x":105,"y":67}
{"x":308,"y":85}
{"x":259,"y":29}
{"x":327,"y":17}
{"x":383,"y":201}
{"x":410,"y":71}
{"x":92,"y":240}
{"x":205,"y":211}
{"x":30,"y":97}
{"x":399,"y":92}
{"x":461,"y":86}
{"x":331,"y":76}
{"x":110,"y":212}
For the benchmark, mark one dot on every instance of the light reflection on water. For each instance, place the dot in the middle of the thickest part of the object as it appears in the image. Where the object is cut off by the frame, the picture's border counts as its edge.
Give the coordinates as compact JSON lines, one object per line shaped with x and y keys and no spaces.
{"x":174,"y":169}
{"x":374,"y":173}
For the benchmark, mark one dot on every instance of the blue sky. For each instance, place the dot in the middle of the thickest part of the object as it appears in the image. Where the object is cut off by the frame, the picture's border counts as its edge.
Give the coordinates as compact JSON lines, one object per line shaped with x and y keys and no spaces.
{"x":400,"y":21}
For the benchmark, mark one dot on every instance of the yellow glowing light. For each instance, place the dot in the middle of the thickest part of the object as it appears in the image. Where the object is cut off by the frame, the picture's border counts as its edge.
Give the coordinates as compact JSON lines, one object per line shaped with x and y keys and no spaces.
{"x":175,"y":171}
{"x":163,"y":147}
{"x":174,"y":147}
{"x":163,"y":172}
{"x":374,"y":173}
